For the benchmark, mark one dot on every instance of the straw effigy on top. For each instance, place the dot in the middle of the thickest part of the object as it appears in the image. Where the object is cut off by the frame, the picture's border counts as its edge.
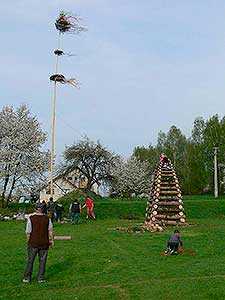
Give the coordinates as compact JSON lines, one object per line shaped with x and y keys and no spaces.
{"x":68,"y":23}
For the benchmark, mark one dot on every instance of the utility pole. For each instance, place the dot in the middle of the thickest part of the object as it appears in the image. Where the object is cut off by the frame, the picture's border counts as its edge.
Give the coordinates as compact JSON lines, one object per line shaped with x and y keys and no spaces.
{"x":215,"y":172}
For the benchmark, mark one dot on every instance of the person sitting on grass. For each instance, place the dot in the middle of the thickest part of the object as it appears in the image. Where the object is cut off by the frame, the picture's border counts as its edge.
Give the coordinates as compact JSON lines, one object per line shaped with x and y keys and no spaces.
{"x":173,"y":243}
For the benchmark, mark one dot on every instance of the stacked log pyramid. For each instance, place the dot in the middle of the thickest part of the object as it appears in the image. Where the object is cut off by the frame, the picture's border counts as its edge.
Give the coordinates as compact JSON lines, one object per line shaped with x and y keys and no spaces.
{"x":165,"y":205}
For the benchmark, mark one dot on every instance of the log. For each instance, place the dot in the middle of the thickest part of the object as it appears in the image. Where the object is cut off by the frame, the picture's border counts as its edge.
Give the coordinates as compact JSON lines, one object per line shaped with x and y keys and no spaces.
{"x":169,"y":188}
{"x":169,"y":222}
{"x":172,"y":223}
{"x":169,"y":197}
{"x":166,"y":217}
{"x":62,"y":237}
{"x":170,"y":183}
{"x":170,"y":192}
{"x":167,"y":172}
{"x":169,"y":209}
{"x":182,"y":220}
{"x":173,"y":203}
{"x":148,"y":218}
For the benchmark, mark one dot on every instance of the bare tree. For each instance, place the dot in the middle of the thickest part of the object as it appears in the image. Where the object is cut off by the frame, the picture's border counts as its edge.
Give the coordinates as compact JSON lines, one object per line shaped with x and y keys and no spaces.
{"x":91,"y":159}
{"x":21,"y":158}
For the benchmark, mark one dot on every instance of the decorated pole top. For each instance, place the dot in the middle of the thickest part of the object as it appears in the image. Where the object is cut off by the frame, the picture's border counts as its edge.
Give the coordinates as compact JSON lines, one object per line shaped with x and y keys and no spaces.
{"x":68,"y":23}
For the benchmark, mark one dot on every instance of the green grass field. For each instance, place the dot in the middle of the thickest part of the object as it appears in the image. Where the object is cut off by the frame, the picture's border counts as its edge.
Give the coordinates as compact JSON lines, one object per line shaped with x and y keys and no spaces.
{"x":102,"y":263}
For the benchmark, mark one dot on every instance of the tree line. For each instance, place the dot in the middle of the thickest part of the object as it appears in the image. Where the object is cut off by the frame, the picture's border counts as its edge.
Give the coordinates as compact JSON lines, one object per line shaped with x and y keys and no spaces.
{"x":24,"y":164}
{"x":192,"y":157}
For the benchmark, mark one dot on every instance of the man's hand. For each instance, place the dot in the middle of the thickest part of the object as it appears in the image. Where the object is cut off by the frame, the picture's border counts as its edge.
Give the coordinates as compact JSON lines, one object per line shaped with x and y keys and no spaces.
{"x":51,"y":243}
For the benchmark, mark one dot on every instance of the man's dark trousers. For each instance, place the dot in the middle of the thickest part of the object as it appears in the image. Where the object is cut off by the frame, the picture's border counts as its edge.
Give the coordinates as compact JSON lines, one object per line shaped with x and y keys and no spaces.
{"x":31,"y":253}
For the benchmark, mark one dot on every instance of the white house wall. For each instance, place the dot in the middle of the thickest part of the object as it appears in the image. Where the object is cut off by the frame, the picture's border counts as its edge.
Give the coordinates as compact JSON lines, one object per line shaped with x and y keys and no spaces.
{"x":62,"y":186}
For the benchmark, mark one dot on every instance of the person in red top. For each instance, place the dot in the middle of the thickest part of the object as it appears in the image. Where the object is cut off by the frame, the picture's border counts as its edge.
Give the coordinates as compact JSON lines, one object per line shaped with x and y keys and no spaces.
{"x":89,"y":203}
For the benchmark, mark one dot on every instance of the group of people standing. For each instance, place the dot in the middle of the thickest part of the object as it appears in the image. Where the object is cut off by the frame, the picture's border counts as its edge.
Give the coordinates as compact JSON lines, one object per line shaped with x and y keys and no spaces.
{"x":55,"y":211}
{"x":76,"y":208}
{"x":40,"y":235}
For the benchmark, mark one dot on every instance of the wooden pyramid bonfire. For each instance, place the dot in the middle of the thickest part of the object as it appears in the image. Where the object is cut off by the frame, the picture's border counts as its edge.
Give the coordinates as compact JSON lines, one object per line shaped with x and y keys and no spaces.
{"x":165,"y":205}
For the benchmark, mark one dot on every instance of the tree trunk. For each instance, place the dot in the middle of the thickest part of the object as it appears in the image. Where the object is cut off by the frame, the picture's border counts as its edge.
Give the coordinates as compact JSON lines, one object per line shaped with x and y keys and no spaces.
{"x":89,"y":185}
{"x":4,"y":191}
{"x":11,"y":190}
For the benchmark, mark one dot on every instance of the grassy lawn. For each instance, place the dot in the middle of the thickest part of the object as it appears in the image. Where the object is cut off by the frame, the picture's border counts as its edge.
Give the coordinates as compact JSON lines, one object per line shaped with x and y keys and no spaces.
{"x":102,"y":263}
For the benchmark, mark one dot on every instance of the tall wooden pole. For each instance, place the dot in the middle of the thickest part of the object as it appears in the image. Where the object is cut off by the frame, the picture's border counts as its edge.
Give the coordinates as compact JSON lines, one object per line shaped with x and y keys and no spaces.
{"x":215,"y":173}
{"x":53,"y":125}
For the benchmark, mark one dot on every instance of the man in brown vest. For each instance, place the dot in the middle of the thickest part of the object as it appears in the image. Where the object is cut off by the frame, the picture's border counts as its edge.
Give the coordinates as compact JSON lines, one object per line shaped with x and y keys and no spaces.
{"x":40,"y":236}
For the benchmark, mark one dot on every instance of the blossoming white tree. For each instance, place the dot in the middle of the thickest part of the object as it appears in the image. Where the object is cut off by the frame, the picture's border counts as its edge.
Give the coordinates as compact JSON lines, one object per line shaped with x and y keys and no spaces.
{"x":131,"y":176}
{"x":22,"y":161}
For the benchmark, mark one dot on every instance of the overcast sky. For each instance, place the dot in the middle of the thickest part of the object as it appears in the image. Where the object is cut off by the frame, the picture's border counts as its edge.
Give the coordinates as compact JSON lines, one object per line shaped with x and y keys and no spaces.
{"x":144,"y":65}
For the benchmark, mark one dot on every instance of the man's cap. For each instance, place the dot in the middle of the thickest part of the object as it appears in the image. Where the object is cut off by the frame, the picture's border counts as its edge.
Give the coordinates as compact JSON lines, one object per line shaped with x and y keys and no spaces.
{"x":38,"y":206}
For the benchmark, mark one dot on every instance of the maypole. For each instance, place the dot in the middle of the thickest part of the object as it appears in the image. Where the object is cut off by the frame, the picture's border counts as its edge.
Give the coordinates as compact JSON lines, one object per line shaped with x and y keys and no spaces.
{"x":65,"y":23}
